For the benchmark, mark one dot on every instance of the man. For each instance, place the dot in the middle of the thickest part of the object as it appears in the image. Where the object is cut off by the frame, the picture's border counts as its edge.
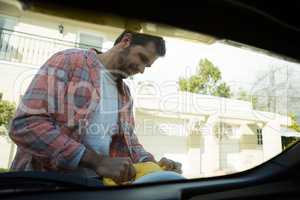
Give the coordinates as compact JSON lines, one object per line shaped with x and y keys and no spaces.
{"x":76,"y":116}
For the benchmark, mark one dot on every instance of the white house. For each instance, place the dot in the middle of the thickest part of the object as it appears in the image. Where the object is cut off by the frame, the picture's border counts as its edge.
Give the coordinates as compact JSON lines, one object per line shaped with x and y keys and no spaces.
{"x":210,"y":135}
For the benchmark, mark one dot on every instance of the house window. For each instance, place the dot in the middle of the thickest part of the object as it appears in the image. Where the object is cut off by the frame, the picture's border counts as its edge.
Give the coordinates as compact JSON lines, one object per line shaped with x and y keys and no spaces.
{"x":87,"y":41}
{"x":259,"y":136}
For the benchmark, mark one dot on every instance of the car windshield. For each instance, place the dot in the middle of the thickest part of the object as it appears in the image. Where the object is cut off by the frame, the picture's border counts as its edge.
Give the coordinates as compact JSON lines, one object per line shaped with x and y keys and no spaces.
{"x":137,"y":104}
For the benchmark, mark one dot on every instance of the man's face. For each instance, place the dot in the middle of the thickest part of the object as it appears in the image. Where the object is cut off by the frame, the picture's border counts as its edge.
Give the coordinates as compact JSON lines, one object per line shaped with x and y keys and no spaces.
{"x":134,"y":59}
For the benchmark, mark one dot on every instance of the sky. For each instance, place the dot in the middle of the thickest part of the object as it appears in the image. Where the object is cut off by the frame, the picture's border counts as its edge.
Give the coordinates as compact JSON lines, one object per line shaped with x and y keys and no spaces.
{"x":240,"y":68}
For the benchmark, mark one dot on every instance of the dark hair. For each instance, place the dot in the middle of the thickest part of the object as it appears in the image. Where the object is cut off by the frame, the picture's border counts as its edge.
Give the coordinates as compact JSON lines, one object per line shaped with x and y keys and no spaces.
{"x":143,"y":39}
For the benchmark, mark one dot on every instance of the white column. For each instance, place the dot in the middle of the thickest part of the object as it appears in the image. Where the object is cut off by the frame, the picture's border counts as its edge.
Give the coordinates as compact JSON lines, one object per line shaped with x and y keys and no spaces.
{"x":211,"y":154}
{"x":271,"y":139}
{"x":194,"y":163}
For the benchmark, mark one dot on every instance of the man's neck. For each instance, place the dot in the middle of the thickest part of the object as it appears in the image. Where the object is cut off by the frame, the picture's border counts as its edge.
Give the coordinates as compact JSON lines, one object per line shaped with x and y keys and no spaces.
{"x":108,"y":59}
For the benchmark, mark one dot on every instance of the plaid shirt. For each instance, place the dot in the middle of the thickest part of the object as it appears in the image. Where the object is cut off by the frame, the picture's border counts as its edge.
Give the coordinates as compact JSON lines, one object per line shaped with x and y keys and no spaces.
{"x":52,"y":118}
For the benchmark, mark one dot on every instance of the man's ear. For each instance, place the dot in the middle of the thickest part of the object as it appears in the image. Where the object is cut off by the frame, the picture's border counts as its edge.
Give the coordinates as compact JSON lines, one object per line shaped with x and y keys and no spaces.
{"x":126,"y":40}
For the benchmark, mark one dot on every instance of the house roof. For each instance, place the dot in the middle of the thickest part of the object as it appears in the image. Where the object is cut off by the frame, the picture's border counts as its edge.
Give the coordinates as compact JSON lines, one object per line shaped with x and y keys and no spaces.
{"x":186,"y":104}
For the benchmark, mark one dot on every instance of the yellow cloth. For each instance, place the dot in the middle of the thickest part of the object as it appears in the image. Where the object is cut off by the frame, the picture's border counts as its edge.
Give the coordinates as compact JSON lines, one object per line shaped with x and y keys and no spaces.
{"x":141,"y":169}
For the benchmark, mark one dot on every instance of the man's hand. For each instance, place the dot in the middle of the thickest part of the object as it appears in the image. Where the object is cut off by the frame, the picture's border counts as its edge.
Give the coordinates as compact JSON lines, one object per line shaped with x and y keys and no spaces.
{"x":119,"y":169}
{"x":170,"y":165}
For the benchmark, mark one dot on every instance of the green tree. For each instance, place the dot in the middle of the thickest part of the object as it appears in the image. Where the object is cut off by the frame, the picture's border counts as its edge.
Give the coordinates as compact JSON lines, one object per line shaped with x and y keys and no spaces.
{"x":290,"y":141}
{"x":295,"y":126}
{"x":207,"y":80}
{"x":7,"y":111}
{"x":3,"y":170}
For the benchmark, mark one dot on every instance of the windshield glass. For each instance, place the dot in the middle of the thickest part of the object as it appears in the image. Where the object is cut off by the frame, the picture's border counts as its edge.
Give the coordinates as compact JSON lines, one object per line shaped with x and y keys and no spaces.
{"x":139,"y":104}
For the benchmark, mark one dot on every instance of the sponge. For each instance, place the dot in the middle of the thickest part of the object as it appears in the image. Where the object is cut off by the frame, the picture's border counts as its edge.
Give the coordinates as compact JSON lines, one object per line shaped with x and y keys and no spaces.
{"x":141,"y":169}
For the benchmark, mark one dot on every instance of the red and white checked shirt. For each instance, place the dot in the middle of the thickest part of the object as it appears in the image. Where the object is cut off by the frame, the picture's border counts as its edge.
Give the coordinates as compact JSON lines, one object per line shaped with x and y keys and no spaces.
{"x":50,"y":121}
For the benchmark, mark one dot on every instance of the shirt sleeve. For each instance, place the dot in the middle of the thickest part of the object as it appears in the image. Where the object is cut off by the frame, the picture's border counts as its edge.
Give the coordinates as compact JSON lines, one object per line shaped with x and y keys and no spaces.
{"x":35,"y":129}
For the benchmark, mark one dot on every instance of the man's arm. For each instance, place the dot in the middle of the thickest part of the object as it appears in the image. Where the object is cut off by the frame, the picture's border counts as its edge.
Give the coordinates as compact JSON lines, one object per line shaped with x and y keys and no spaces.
{"x":34,"y":127}
{"x":139,"y":152}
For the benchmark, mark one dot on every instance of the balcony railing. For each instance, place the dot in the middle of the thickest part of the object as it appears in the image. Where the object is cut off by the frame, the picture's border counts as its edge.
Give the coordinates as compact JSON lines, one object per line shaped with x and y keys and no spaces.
{"x":32,"y":49}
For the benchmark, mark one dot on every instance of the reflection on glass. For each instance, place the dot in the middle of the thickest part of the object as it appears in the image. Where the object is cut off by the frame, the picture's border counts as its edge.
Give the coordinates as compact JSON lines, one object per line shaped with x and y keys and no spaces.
{"x":215,"y":106}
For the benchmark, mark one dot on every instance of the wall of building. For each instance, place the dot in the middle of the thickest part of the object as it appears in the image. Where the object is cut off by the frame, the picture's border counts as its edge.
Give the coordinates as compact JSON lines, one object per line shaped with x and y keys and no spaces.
{"x":17,"y":78}
{"x":7,"y":152}
{"x":25,"y":63}
{"x":47,"y":26}
{"x":159,"y":135}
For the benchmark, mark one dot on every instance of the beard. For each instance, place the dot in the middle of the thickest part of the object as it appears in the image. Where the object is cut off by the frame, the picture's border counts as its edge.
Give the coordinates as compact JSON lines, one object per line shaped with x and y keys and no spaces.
{"x":124,"y":65}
